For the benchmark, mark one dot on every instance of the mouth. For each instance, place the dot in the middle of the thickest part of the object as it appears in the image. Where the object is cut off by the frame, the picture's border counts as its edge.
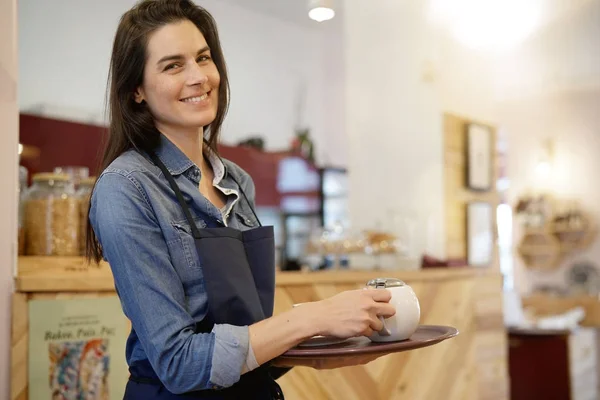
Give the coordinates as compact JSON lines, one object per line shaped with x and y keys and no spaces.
{"x":196,"y":99}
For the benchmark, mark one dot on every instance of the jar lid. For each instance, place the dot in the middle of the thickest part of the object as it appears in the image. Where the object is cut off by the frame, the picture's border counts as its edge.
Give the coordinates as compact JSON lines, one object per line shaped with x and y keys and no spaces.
{"x":49,"y":176}
{"x":382,"y":283}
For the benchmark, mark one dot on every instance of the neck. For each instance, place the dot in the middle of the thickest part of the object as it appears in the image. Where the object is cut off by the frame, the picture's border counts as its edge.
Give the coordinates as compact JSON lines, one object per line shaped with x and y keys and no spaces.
{"x":191,"y":143}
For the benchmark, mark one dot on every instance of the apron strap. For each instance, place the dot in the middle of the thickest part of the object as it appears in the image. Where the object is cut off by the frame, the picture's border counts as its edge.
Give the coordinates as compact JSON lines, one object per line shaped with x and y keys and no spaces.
{"x":180,"y":199}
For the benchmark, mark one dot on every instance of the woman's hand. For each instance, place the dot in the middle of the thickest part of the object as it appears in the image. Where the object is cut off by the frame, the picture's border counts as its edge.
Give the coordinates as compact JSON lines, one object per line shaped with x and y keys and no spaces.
{"x":348,"y":314}
{"x":326,"y":363}
{"x":353,"y":313}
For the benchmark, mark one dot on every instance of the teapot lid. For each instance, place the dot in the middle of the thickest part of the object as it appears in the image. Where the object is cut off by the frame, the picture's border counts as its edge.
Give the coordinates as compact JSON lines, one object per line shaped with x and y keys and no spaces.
{"x":381,"y":283}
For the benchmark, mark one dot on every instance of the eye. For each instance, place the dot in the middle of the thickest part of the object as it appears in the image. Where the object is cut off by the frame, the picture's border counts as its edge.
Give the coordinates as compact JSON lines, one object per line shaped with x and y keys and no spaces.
{"x":172,"y":66}
{"x":203,"y":58}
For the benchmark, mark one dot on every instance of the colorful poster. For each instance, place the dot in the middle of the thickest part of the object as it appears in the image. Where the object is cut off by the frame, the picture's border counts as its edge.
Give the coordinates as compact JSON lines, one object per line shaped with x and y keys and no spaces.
{"x":77,"y":349}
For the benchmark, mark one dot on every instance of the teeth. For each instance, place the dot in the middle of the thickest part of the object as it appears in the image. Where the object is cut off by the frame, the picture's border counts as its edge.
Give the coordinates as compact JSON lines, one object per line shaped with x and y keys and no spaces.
{"x":195,"y":99}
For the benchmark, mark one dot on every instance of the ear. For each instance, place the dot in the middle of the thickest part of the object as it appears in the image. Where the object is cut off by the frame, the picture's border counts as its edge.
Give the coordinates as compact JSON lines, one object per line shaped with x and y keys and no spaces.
{"x":138,"y":95}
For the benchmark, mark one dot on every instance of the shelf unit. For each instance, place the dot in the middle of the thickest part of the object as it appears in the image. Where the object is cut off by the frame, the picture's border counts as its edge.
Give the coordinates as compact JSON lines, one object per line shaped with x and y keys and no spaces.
{"x":545,"y":248}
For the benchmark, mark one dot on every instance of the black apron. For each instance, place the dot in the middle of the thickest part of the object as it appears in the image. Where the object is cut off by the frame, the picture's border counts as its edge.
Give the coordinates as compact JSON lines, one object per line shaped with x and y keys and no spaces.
{"x":239,"y":276}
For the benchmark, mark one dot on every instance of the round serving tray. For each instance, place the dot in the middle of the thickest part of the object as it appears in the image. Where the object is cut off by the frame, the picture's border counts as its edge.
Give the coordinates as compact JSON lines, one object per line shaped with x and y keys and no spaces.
{"x":425,"y":335}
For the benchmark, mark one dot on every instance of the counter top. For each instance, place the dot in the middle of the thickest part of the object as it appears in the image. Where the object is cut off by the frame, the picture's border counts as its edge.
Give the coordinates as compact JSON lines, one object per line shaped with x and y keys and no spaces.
{"x":73,"y":274}
{"x":541,"y":305}
{"x":471,"y":366}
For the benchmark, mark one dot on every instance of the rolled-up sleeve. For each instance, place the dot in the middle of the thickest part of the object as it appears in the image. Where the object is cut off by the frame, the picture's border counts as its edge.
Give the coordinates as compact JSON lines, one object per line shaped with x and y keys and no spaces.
{"x":152,"y":294}
{"x":229,"y":354}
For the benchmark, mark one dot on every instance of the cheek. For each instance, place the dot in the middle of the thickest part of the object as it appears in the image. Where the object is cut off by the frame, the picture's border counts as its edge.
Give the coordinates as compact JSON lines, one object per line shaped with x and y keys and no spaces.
{"x":216,"y":83}
{"x":165,"y":91}
{"x":215,"y":79}
{"x":161,"y":95}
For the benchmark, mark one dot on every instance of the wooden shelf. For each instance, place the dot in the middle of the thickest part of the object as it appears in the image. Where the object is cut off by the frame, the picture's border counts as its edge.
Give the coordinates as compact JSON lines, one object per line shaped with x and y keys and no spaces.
{"x":541,"y":305}
{"x":353,"y":276}
{"x":544,"y":248}
{"x":62,"y":274}
{"x":72,"y":274}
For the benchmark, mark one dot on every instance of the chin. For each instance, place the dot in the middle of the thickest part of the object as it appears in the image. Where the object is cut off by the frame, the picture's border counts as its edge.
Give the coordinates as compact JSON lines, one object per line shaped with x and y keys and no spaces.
{"x":207,"y":116}
{"x":199,"y":122}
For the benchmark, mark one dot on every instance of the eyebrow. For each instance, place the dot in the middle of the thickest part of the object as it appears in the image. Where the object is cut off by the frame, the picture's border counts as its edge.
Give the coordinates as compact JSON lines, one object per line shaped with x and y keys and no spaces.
{"x":180,"y":56}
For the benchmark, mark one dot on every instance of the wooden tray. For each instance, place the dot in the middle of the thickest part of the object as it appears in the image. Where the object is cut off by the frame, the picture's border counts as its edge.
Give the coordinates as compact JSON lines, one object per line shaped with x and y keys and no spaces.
{"x":425,"y":335}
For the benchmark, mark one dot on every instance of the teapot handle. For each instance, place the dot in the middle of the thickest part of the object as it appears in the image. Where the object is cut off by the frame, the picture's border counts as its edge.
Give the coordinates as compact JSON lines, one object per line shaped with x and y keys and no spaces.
{"x":385,"y":331}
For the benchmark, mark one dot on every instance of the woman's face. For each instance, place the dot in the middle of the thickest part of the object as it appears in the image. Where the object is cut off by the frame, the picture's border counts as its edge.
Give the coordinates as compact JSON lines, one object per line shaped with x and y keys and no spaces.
{"x":181,"y":81}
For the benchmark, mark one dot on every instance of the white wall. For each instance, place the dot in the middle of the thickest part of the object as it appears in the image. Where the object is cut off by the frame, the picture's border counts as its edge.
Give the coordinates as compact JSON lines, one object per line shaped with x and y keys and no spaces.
{"x":65,"y":49}
{"x":8,"y":179}
{"x":573,"y":122}
{"x":393,"y":120}
{"x":549,"y":88}
{"x":562,"y":56}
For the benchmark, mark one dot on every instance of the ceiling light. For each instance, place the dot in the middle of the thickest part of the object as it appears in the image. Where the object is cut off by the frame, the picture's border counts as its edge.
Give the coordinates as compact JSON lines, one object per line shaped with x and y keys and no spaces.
{"x":321,"y":10}
{"x":489,"y":24}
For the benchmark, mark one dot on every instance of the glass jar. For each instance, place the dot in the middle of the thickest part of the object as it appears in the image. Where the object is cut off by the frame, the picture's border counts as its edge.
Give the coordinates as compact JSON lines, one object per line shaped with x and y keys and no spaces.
{"x":83,"y":194}
{"x":76,"y":174}
{"x":51,"y":216}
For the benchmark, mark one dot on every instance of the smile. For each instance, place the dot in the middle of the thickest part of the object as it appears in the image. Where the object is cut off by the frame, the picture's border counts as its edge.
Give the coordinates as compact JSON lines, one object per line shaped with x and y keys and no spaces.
{"x":196,"y":99}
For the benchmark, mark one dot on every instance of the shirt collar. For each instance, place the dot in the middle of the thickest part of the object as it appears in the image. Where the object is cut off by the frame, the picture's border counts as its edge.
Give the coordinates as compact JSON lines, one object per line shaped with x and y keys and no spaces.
{"x":219,"y":169}
{"x":177,"y":162}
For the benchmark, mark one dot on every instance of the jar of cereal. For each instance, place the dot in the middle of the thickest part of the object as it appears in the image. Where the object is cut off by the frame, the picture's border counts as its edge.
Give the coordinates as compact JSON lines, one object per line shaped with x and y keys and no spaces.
{"x":51,"y":216}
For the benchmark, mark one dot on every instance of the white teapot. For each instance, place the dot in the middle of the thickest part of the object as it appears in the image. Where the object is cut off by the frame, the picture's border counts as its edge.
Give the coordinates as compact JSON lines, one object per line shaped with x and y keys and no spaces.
{"x":408,"y":311}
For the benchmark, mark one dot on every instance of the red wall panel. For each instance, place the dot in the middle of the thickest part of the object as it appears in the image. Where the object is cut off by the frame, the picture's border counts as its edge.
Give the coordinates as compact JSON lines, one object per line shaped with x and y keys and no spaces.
{"x":67,"y":143}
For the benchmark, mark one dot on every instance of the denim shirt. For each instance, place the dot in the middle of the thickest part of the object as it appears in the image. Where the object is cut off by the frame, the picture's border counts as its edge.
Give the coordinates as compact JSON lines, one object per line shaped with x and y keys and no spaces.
{"x":148,"y":243}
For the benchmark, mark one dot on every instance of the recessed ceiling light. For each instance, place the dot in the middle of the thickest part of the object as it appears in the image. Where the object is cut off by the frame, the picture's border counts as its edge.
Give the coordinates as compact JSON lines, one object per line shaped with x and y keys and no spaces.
{"x":321,"y":10}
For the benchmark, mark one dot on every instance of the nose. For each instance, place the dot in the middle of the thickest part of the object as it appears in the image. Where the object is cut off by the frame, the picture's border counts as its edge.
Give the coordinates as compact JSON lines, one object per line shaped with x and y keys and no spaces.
{"x":197,"y":75}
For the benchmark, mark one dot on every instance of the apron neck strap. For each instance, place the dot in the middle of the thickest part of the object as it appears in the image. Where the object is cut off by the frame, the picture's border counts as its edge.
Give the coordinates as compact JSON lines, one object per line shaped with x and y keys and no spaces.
{"x":180,"y":199}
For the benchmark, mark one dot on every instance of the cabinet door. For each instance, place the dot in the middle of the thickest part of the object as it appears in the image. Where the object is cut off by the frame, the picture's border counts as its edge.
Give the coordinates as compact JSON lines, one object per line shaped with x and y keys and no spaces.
{"x":539,"y":367}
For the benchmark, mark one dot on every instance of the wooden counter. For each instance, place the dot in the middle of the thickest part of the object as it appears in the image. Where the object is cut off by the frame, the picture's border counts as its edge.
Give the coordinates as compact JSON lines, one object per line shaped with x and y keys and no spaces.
{"x":540,"y":305}
{"x":470,"y":366}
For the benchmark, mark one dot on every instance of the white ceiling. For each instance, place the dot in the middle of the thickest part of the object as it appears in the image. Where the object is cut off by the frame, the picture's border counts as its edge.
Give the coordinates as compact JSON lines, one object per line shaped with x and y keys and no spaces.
{"x":295,"y":11}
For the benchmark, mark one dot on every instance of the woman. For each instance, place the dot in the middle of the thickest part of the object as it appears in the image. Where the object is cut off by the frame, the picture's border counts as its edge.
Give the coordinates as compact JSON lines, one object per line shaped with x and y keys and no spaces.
{"x":193,"y":267}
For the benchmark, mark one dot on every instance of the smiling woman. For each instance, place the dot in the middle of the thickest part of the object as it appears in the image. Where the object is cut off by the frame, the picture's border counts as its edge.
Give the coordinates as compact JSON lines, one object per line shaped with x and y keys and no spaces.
{"x":181,"y":89}
{"x":193,"y":266}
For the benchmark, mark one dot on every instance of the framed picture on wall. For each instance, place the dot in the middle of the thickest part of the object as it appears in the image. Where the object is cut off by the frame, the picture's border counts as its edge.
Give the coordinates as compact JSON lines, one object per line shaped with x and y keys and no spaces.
{"x":479,"y":157}
{"x":480,"y":234}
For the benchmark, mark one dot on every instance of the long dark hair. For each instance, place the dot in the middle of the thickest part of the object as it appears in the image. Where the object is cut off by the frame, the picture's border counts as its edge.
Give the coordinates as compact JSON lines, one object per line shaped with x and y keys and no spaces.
{"x":131,"y":124}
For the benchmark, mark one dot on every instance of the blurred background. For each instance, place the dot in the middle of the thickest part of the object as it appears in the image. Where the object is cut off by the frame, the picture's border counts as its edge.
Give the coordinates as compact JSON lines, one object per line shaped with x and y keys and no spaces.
{"x":381,"y":135}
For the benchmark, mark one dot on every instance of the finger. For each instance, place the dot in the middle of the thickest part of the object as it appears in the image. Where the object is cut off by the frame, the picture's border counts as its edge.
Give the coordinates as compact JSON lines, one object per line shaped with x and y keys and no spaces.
{"x":368,"y":332}
{"x":379,"y":294}
{"x":375,"y":323}
{"x":386,"y":310}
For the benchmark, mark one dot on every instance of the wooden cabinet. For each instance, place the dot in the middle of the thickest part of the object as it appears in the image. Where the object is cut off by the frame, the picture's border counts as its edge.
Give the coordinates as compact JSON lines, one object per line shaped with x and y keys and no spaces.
{"x":471,"y":366}
{"x":553,"y":365}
